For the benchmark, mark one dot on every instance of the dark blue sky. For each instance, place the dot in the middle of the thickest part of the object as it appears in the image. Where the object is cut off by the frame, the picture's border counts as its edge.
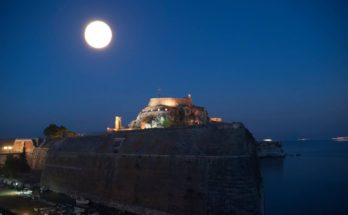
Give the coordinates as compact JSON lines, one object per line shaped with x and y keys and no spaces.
{"x":281,"y":67}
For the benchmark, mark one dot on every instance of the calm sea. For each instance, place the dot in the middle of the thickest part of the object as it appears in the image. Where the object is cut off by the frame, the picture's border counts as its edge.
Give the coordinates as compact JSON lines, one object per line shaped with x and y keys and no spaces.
{"x":316,"y":182}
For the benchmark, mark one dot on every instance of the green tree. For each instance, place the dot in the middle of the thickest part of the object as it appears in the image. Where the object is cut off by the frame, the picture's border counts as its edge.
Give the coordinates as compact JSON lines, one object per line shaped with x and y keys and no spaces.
{"x":23,"y":162}
{"x":15,"y":164}
{"x":55,"y":131}
{"x":10,"y":169}
{"x":167,"y":122}
{"x":70,"y":134}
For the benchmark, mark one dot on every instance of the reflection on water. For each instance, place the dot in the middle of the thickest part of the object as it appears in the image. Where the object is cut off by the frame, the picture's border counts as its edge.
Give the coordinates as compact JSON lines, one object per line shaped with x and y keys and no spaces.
{"x":274,"y":168}
{"x":314,"y":183}
{"x":274,"y":165}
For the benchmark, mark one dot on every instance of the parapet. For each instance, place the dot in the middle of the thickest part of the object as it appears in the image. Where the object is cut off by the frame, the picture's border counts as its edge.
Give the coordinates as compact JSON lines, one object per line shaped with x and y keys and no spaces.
{"x":171,"y":102}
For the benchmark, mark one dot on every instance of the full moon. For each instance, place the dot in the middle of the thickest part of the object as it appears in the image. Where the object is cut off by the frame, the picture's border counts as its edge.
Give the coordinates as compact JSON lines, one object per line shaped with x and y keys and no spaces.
{"x":98,"y":34}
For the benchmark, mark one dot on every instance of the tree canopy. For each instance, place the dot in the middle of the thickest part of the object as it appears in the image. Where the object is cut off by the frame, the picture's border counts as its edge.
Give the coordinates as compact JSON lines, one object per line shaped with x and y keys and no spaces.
{"x":55,"y":131}
{"x":15,"y":165}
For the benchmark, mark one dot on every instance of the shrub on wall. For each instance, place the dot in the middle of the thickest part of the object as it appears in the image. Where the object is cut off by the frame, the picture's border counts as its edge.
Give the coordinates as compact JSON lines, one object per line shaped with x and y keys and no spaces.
{"x":167,"y":122}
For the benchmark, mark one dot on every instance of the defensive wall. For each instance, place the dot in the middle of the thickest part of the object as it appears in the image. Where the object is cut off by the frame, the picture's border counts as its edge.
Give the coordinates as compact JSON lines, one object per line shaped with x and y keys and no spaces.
{"x":37,"y":158}
{"x":15,"y":147}
{"x":210,"y":169}
{"x":171,"y":102}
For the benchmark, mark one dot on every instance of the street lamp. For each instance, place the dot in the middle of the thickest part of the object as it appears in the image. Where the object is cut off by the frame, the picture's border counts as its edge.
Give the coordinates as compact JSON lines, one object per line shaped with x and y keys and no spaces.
{"x":7,"y":148}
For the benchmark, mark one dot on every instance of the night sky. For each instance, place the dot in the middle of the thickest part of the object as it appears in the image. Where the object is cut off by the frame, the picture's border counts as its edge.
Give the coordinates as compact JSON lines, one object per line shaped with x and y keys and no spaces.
{"x":280,"y":67}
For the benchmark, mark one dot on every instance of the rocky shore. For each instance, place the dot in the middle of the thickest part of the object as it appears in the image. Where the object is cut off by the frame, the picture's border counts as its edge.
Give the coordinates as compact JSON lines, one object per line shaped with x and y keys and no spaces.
{"x":270,"y":149}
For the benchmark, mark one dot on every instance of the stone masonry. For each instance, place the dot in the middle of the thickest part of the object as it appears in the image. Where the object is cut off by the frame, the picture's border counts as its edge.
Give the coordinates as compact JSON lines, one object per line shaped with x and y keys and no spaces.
{"x":210,"y":169}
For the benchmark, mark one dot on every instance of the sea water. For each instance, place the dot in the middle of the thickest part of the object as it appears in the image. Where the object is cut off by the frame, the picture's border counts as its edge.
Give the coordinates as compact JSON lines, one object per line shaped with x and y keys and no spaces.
{"x":314,"y":182}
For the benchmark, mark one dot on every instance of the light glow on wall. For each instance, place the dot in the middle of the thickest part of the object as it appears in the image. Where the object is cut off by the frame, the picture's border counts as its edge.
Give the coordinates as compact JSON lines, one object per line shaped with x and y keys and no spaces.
{"x":7,"y":147}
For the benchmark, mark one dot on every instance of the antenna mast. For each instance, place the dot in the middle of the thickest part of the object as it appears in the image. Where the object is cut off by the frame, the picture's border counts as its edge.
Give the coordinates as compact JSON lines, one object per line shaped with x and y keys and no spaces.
{"x":159,"y":92}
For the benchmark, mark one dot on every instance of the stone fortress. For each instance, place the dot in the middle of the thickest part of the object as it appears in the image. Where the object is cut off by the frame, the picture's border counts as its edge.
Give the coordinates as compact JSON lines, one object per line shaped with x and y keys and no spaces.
{"x":173,"y":159}
{"x":169,"y":112}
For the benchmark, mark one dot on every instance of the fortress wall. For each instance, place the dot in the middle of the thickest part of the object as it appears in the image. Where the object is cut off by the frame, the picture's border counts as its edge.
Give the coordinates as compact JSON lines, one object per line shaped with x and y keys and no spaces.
{"x":214,"y":139}
{"x":219,"y":139}
{"x":157,"y":183}
{"x":20,"y":143}
{"x":84,"y":144}
{"x":3,"y":158}
{"x":171,"y":102}
{"x":197,"y":170}
{"x":36,"y":159}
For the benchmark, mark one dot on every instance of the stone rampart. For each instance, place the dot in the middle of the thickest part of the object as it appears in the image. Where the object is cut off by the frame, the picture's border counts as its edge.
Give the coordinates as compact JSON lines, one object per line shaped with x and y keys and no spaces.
{"x":37,"y":158}
{"x":197,"y":170}
{"x":171,"y":102}
{"x":20,"y":143}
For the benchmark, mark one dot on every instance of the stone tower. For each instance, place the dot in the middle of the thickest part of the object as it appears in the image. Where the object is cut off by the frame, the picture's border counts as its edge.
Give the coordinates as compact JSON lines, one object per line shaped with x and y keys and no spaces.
{"x":118,"y":123}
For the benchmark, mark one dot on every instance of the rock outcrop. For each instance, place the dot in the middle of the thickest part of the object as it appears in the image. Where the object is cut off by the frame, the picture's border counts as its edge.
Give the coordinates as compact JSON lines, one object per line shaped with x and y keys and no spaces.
{"x":270,"y":149}
{"x":170,"y":112}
